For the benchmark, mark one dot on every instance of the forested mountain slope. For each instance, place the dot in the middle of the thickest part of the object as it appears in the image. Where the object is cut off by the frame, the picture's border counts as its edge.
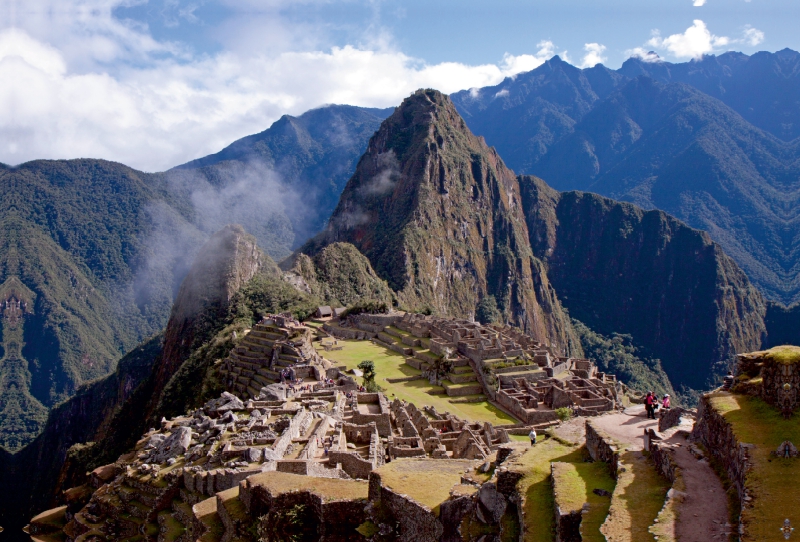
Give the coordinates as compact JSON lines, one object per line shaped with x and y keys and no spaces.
{"x":712,"y":142}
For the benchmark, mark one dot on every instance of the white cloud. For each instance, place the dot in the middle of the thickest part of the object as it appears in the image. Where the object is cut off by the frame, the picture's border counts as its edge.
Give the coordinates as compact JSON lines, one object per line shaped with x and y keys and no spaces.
{"x":752,"y":36}
{"x":698,"y":3}
{"x":514,"y":65}
{"x":80,"y":83}
{"x":695,"y":42}
{"x":594,"y":55}
{"x":643,"y":54}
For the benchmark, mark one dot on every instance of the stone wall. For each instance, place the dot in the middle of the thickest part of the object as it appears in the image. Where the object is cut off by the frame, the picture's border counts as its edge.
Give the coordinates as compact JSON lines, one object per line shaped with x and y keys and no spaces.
{"x":417,"y":522}
{"x":601,"y":447}
{"x":353,"y":464}
{"x":671,"y":417}
{"x":718,"y":437}
{"x":663,"y":456}
{"x":381,"y":419}
{"x":567,"y":522}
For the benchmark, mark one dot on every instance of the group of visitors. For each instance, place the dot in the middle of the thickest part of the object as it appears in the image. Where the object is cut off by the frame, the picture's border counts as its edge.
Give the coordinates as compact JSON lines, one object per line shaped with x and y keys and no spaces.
{"x":652,"y":402}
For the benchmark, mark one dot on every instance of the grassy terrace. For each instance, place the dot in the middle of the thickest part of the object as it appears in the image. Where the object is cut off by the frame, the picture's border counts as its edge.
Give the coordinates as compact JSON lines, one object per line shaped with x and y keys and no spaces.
{"x":638,"y":498}
{"x":535,"y":485}
{"x":427,"y":481}
{"x":773,"y":481}
{"x":330,"y":489}
{"x":389,"y":364}
{"x":574,"y":483}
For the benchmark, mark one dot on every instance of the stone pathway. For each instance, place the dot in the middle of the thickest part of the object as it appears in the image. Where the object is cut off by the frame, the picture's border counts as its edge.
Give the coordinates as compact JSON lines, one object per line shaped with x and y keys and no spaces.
{"x":703,"y":514}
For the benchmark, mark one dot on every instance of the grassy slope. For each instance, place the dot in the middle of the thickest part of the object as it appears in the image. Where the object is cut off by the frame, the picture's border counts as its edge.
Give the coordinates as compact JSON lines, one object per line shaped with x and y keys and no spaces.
{"x":637,"y":500}
{"x":772,"y":480}
{"x":389,"y":364}
{"x":575,"y":484}
{"x":424,"y":480}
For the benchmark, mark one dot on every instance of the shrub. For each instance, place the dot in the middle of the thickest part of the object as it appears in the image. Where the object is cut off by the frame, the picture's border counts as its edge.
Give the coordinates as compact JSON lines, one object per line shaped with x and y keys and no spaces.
{"x":564,"y":413}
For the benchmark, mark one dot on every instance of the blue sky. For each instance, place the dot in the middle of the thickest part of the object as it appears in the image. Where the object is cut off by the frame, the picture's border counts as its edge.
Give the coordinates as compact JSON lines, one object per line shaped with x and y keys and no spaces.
{"x":154,"y":83}
{"x":476,"y":32}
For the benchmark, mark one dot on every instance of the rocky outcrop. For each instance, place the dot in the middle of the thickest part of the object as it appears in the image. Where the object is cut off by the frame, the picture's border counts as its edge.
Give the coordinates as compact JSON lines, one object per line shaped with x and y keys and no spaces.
{"x":621,"y":269}
{"x":440,"y":217}
{"x":339,"y":275}
{"x":228,"y":260}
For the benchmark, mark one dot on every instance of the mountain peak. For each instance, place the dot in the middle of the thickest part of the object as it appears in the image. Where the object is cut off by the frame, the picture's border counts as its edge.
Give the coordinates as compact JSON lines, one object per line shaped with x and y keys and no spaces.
{"x":439,"y":216}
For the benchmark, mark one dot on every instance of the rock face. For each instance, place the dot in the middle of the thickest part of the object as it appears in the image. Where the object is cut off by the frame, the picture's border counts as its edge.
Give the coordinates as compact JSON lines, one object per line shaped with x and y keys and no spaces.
{"x":440,"y":218}
{"x":621,"y":269}
{"x":225,"y":263}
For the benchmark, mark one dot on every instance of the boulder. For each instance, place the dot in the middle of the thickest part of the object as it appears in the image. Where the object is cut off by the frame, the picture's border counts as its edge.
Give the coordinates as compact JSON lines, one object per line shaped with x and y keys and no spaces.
{"x":225,"y":403}
{"x":491,"y":504}
{"x":274,"y":392}
{"x":174,"y":445}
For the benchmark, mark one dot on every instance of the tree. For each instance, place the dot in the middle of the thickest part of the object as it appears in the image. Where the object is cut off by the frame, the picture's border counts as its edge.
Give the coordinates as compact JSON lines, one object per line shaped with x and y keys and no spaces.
{"x":439,"y":368}
{"x":487,"y":312}
{"x":368,"y":368}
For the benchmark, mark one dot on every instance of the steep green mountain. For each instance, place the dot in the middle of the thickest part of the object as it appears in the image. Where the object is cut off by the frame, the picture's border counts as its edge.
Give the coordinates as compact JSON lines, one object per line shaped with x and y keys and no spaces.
{"x":674,"y":148}
{"x":70,"y":251}
{"x":312,"y":156}
{"x":621,"y":269}
{"x":711,"y":142}
{"x":97,"y":250}
{"x":439,"y":217}
{"x":340,"y":275}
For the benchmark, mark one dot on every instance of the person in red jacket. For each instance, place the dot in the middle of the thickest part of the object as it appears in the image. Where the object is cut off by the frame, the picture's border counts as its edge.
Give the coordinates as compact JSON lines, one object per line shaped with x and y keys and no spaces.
{"x":649,"y":404}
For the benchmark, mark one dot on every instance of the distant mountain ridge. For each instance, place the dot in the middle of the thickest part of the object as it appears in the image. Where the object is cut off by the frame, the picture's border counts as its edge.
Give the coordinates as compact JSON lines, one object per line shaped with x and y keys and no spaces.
{"x":313,"y":154}
{"x":675,"y":137}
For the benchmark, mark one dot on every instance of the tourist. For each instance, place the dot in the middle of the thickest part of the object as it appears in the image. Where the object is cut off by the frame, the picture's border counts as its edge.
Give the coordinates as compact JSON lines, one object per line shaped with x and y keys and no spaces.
{"x":649,"y":402}
{"x":532,"y":436}
{"x":665,"y":402}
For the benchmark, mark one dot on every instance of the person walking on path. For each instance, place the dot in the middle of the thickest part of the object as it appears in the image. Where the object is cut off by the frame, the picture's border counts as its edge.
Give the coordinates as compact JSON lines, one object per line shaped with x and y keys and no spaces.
{"x":532,"y":436}
{"x":649,"y":404}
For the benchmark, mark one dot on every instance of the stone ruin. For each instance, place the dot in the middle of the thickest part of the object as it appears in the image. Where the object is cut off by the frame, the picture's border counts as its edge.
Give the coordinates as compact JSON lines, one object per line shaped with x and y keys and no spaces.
{"x":278,"y":343}
{"x":217,"y":448}
{"x":522,"y":374}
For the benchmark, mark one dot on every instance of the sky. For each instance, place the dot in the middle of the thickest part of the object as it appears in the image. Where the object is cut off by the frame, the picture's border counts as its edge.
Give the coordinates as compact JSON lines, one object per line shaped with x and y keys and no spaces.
{"x":156,"y":83}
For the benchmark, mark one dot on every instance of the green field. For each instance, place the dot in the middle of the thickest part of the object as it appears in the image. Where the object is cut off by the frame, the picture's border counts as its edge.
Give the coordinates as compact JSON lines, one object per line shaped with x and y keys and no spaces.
{"x":638,"y":498}
{"x":576,"y":483}
{"x":773,"y":479}
{"x":389,"y":364}
{"x":535,"y":486}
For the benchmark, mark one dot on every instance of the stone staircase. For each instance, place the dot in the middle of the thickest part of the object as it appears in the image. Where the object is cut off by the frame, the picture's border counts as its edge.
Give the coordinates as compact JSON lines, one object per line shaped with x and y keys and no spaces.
{"x":260,"y":357}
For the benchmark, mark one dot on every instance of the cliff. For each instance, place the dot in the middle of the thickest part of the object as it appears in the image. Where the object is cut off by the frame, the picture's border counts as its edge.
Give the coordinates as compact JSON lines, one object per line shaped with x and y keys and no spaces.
{"x":439,"y":216}
{"x":621,"y":269}
{"x":104,"y":418}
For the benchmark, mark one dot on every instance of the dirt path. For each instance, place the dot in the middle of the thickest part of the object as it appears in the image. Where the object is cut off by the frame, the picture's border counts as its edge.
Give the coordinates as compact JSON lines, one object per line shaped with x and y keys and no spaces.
{"x":703,"y":514}
{"x":627,"y":427}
